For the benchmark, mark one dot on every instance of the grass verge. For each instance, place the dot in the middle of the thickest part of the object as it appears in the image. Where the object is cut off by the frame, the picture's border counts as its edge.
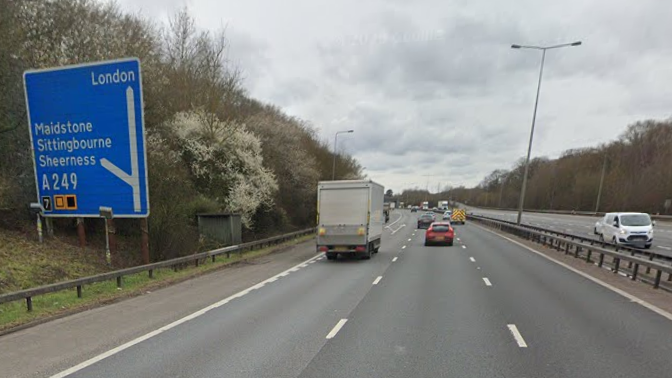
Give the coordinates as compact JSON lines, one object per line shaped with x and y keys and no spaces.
{"x":53,"y":305}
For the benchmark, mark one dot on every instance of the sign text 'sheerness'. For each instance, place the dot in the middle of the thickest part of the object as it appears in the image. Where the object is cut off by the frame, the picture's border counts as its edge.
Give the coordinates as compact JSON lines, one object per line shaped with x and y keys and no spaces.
{"x":48,"y":140}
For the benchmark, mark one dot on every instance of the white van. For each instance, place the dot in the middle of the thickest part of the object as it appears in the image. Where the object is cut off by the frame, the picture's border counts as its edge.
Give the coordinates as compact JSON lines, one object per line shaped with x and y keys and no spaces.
{"x":633,"y":229}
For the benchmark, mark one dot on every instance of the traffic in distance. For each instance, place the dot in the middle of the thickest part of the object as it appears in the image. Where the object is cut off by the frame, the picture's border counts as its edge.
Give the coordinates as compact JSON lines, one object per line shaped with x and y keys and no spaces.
{"x":352,"y":215}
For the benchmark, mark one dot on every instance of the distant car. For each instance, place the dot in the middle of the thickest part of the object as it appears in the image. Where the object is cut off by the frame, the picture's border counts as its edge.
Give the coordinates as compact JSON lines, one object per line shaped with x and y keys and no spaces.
{"x":432,"y":214}
{"x":435,"y":208}
{"x":414,"y":209}
{"x":447,"y":214}
{"x":439,"y":233}
{"x":425,"y":220}
{"x":632,"y":229}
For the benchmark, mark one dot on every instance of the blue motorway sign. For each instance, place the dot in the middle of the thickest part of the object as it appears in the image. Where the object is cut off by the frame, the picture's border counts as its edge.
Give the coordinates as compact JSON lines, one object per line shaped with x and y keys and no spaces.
{"x":88,"y":138}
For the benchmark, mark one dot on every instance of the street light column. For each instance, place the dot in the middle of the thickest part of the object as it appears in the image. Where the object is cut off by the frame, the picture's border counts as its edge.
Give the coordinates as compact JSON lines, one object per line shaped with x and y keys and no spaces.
{"x":599,"y":191}
{"x":521,"y":202}
{"x":333,"y":169}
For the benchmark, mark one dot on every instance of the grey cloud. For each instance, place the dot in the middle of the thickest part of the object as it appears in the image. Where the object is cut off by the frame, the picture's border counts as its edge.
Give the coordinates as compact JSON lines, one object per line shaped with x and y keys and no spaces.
{"x":296,"y":90}
{"x":248,"y":54}
{"x":431,"y":85}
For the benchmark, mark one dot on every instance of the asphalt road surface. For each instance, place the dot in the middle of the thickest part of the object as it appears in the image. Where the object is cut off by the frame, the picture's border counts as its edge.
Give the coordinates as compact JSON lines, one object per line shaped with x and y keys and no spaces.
{"x":485,"y":307}
{"x":579,"y":225}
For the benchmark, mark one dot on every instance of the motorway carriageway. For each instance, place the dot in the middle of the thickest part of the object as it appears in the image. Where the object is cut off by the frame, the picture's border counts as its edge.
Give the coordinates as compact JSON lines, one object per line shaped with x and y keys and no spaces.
{"x":578,"y":225}
{"x":486,"y":307}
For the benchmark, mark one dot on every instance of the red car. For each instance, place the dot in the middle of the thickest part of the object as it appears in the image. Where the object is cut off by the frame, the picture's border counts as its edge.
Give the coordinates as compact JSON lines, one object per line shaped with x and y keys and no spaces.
{"x":440,"y":233}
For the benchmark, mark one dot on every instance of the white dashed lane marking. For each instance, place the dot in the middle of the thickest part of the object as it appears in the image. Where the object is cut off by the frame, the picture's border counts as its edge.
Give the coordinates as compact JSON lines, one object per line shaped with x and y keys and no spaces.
{"x":517,"y":336}
{"x":336,"y":328}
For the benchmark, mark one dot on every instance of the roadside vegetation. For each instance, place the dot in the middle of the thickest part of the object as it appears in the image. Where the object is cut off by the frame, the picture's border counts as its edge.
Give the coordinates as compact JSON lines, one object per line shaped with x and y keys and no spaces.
{"x":211,"y":147}
{"x":637,"y":177}
{"x":24,"y":263}
{"x":14,"y":314}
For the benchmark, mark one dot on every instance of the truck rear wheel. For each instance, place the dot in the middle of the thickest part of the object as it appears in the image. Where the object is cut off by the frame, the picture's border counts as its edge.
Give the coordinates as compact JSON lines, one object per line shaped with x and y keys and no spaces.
{"x":367,"y":255}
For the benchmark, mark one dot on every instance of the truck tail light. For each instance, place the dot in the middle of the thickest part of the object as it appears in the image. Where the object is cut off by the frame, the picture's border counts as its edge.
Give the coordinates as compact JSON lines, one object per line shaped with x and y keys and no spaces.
{"x":322,"y":231}
{"x":361,"y":231}
{"x":360,"y":248}
{"x":323,"y":248}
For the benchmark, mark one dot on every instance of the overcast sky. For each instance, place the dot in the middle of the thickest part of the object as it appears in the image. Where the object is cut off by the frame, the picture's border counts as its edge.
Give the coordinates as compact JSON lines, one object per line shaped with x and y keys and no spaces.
{"x":432,"y":87}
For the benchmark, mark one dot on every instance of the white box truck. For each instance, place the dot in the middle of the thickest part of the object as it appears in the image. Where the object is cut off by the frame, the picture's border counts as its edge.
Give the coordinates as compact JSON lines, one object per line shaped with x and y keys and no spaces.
{"x":349,"y":218}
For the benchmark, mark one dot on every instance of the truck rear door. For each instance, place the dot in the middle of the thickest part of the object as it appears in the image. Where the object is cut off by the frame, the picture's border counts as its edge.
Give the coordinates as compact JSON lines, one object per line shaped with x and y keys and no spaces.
{"x":343,"y":216}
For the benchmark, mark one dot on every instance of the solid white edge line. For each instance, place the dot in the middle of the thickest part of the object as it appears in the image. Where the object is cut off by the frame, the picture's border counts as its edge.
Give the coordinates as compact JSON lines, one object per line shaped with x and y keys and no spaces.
{"x":336,"y":328}
{"x":375,"y":282}
{"x":394,"y":259}
{"x":472,"y":259}
{"x":487,"y":281}
{"x":174,"y":324}
{"x":616,"y":290}
{"x":516,"y":335}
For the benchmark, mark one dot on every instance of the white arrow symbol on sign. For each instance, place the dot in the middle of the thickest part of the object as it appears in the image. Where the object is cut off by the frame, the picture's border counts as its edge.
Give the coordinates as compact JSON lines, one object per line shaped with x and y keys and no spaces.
{"x":131,"y":179}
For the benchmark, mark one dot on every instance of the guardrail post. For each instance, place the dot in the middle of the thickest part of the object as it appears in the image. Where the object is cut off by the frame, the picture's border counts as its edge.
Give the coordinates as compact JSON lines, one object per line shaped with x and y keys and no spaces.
{"x":29,"y":303}
{"x":648,"y":268}
{"x":601,"y":262}
{"x":590,"y":252}
{"x":196,"y":262}
{"x":213,"y":258}
{"x":630,"y":262}
{"x":669,"y":277}
{"x":577,"y":250}
{"x":79,"y":291}
{"x":634,"y":272}
{"x":566,"y":248}
{"x":119,"y":282}
{"x":151,"y":273}
{"x":656,"y":283}
{"x":617,"y":262}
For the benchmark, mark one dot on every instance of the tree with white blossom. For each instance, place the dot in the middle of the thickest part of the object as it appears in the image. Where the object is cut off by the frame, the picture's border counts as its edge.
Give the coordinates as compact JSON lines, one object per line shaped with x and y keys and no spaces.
{"x":225,"y":161}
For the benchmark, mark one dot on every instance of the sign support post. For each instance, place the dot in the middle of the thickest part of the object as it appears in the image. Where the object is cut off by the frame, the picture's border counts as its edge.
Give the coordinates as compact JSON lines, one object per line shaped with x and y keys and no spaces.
{"x":81,"y":232}
{"x":144,"y":230}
